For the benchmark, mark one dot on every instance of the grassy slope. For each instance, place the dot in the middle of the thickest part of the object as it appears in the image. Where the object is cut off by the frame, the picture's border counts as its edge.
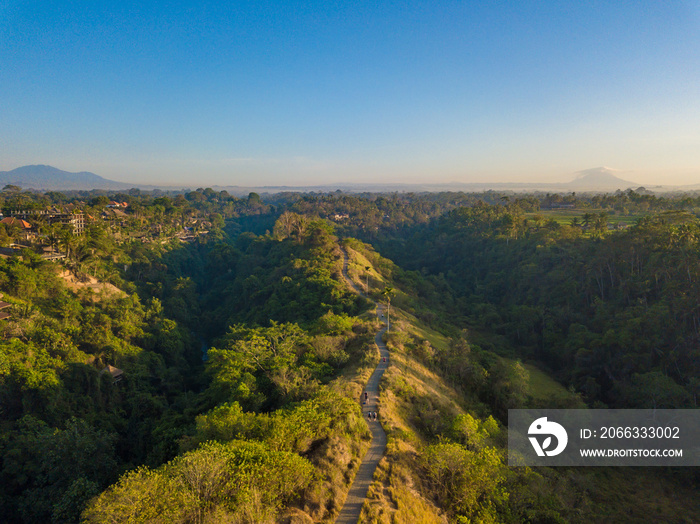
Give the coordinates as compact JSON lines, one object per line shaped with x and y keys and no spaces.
{"x":413,"y":396}
{"x":542,"y":386}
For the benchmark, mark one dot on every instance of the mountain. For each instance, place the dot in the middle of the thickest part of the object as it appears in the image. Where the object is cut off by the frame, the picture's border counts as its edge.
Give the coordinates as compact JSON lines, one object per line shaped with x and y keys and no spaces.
{"x":51,"y":178}
{"x":600,"y":179}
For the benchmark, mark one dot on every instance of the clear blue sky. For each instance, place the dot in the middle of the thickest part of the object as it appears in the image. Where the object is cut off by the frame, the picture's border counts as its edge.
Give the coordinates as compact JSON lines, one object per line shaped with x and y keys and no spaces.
{"x":299,"y":93}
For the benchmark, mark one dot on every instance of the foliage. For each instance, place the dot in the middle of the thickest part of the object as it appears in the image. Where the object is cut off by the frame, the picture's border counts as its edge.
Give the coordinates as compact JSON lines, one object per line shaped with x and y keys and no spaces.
{"x":238,"y":480}
{"x":53,"y":472}
{"x":259,"y":427}
{"x":468,"y":483}
{"x":617,"y":305}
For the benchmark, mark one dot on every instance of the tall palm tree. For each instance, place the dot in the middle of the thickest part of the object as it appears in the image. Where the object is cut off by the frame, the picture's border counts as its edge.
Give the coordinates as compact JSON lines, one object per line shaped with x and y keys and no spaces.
{"x":66,"y":238}
{"x":387,"y":294}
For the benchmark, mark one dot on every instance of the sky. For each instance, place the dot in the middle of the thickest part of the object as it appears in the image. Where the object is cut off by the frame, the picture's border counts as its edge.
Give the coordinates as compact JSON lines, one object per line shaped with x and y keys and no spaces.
{"x":304,"y":93}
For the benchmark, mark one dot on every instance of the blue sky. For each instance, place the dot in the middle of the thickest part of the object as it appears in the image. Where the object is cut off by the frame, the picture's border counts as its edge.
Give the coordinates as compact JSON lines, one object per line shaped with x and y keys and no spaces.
{"x":268,"y":93}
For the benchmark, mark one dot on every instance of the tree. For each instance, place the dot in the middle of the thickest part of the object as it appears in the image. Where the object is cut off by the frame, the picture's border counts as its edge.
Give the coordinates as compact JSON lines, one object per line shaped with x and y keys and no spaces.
{"x":600,"y":222}
{"x":467,"y":483}
{"x":65,"y":237}
{"x":655,"y":390}
{"x":290,"y":224}
{"x":254,"y":199}
{"x":141,"y":495}
{"x":509,"y":386}
{"x":387,"y":293}
{"x":99,"y":201}
{"x":63,"y":468}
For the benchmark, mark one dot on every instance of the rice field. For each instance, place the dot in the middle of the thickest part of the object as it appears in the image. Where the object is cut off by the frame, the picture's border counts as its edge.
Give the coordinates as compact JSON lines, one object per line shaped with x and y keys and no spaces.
{"x":565,"y":216}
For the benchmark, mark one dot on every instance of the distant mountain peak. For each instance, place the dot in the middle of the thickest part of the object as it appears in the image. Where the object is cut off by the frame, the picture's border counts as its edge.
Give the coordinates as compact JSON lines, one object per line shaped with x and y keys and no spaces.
{"x":597,"y":171}
{"x":600,"y":178}
{"x":41,"y":176}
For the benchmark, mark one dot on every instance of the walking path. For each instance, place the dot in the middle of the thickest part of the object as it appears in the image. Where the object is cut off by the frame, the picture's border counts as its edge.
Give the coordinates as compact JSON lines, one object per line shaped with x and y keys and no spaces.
{"x":350,"y":514}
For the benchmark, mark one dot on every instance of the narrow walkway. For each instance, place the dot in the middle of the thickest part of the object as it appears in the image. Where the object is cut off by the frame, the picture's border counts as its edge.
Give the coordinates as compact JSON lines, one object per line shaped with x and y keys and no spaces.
{"x":350,"y":514}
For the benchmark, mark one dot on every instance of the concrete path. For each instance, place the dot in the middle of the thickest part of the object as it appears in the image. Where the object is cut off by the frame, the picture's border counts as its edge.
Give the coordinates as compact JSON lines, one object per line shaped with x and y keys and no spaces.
{"x":350,"y":514}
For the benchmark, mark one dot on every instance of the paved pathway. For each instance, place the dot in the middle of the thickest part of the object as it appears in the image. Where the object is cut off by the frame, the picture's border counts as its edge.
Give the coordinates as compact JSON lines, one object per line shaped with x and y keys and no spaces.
{"x":350,"y":514}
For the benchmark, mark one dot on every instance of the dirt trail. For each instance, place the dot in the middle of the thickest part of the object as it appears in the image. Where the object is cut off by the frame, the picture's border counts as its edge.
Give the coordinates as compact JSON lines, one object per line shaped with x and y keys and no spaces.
{"x":350,"y":514}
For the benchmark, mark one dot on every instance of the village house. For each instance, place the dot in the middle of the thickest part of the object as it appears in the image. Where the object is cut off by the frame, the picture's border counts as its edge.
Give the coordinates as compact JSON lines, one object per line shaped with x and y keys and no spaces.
{"x":115,"y":372}
{"x":24,"y":226}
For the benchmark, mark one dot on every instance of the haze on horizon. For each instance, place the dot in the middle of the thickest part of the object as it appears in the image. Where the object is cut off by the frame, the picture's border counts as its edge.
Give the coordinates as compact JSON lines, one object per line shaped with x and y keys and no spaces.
{"x":289,"y":93}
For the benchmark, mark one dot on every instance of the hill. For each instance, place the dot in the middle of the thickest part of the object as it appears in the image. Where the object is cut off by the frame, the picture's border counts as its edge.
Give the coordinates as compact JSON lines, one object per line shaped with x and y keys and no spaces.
{"x":51,"y":178}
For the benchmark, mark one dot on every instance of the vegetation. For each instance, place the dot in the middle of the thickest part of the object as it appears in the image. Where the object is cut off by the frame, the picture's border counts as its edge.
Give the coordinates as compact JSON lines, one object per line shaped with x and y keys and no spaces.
{"x":446,"y":449}
{"x":198,"y":357}
{"x":621,"y":306}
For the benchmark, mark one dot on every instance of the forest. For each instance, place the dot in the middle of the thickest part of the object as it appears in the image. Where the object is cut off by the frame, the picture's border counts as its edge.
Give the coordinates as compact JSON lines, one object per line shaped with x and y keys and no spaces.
{"x":198,"y":357}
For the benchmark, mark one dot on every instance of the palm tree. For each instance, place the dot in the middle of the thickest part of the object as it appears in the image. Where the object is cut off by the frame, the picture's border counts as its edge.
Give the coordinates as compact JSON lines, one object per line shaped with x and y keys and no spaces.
{"x":388,"y":293}
{"x":600,"y":222}
{"x":367,"y":268}
{"x":66,"y":238}
{"x":587,"y":219}
{"x":84,"y":257}
{"x":510,"y":226}
{"x":41,"y":223}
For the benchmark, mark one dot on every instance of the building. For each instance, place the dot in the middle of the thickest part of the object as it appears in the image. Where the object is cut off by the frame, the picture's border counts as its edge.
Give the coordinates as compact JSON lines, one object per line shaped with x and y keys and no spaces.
{"x":16,"y":222}
{"x":112,"y":212}
{"x":74,"y":219}
{"x":24,"y":226}
{"x":115,"y":372}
